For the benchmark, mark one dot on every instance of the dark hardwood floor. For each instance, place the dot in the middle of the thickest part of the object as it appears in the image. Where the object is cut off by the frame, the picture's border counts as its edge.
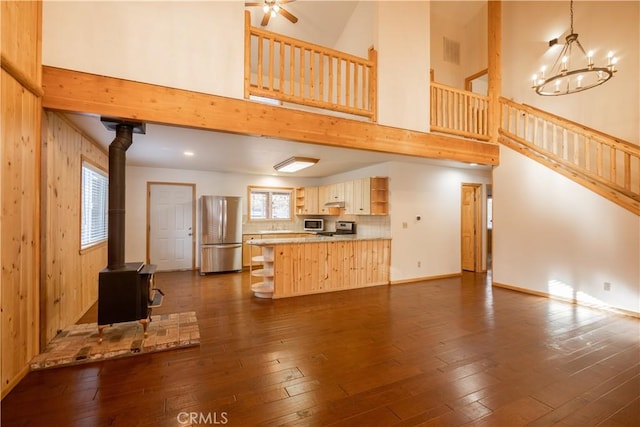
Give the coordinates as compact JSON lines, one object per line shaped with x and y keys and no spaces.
{"x":446,"y":352}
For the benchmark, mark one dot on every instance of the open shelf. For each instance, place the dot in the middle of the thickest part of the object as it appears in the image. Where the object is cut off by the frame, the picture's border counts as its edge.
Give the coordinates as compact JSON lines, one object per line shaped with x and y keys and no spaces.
{"x":264,"y":288}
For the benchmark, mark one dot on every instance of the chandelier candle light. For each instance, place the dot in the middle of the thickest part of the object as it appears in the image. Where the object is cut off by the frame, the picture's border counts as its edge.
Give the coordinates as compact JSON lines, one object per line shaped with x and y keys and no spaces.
{"x":562,"y":79}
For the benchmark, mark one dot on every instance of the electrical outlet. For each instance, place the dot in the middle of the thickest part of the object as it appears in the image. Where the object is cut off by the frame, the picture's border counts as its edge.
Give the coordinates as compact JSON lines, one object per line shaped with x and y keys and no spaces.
{"x":405,"y":225}
{"x":419,"y":264}
{"x":607,"y":286}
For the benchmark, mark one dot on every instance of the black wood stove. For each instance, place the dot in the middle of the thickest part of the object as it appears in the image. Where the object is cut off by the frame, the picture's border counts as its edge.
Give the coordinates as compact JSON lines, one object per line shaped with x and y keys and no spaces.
{"x":126,"y":290}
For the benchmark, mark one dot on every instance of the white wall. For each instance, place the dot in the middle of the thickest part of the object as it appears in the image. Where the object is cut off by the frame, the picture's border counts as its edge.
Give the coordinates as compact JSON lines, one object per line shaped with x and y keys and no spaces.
{"x":552,"y":235}
{"x":614,"y":107}
{"x":209,"y":183}
{"x":403,"y":64}
{"x":434,"y":194}
{"x":193,"y":45}
{"x":472,"y":36}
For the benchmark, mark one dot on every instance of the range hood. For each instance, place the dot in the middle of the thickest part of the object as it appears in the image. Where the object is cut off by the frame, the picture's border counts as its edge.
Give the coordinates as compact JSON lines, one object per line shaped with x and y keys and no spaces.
{"x":334,"y":205}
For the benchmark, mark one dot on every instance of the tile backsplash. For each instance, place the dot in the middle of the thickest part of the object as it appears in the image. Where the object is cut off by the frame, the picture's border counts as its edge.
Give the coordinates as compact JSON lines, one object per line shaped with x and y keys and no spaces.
{"x":367,"y":226}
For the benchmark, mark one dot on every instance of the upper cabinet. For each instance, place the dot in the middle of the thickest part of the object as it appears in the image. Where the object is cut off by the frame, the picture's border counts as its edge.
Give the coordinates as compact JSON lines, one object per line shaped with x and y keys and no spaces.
{"x":307,"y":201}
{"x":379,"y":195}
{"x":364,"y":196}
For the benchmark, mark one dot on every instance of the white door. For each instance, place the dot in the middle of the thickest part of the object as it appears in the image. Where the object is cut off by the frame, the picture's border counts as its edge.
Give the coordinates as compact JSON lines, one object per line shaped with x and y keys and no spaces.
{"x":171,"y":226}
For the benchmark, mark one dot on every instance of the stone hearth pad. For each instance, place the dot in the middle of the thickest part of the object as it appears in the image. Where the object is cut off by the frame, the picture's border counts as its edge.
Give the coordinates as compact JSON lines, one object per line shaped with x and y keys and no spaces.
{"x":79,"y":343}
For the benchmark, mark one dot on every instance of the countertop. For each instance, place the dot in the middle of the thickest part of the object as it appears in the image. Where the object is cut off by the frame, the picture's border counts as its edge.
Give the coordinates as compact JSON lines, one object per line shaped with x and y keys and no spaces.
{"x":277,"y":232}
{"x":312,"y":238}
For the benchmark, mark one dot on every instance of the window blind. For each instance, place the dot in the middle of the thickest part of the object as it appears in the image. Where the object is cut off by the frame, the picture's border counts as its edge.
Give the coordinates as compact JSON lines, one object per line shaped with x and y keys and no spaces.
{"x":94,"y":215}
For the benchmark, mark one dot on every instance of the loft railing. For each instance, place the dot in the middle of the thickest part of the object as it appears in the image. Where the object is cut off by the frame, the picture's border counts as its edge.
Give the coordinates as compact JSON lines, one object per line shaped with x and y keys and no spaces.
{"x":291,"y":70}
{"x":459,"y":112}
{"x":607,"y":165}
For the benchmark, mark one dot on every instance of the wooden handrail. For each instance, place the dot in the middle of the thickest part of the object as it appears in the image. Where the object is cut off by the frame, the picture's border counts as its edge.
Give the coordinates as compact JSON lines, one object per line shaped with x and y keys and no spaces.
{"x":295,"y":71}
{"x":459,"y":112}
{"x":608,"y":165}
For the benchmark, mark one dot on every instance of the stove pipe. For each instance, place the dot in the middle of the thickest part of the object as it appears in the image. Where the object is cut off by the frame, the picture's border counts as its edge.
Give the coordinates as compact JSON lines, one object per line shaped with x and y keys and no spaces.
{"x":117,"y":193}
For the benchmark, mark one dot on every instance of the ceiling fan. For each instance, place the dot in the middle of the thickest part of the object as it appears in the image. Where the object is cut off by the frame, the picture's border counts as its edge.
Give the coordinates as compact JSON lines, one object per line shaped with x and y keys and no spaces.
{"x":271,"y":8}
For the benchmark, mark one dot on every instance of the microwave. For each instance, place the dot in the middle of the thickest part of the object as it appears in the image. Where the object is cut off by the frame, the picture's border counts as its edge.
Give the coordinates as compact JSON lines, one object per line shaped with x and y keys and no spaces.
{"x":314,"y":224}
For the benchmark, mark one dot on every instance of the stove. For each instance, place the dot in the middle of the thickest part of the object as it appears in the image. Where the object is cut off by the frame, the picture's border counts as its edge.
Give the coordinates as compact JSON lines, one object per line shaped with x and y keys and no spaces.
{"x":342,"y":228}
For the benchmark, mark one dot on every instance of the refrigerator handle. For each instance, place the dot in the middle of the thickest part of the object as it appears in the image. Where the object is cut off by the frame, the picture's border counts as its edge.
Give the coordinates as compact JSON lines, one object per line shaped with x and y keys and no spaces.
{"x":224,"y":227}
{"x":220,"y":219}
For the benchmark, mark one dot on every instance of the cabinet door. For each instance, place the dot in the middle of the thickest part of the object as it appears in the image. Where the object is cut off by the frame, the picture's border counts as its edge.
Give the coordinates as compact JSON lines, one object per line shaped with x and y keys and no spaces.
{"x":311,"y":201}
{"x":349,"y":198}
{"x":362,"y":196}
{"x":323,"y":197}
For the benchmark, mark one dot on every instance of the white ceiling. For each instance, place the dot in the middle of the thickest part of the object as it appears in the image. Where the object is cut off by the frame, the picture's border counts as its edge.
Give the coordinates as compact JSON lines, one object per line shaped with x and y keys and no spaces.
{"x":164,"y":146}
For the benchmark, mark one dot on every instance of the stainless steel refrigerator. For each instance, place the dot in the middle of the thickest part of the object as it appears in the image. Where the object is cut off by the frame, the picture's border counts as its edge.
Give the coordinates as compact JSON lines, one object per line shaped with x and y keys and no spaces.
{"x":220,"y":234}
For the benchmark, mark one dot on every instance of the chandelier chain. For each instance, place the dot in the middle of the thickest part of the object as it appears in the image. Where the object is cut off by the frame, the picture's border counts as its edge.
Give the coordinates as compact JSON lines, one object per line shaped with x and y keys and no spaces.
{"x":571,"y":10}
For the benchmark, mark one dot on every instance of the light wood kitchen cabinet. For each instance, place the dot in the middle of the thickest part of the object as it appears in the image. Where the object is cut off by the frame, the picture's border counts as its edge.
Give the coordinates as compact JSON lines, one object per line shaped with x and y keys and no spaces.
{"x":379,"y":195}
{"x":307,"y":201}
{"x":249,"y":251}
{"x":361,"y":198}
{"x":364,"y":196}
{"x":330,"y":194}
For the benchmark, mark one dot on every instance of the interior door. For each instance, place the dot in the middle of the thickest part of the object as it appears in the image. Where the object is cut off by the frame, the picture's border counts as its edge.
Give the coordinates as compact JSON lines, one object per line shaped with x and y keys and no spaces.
{"x":170,"y":231}
{"x":470,"y":227}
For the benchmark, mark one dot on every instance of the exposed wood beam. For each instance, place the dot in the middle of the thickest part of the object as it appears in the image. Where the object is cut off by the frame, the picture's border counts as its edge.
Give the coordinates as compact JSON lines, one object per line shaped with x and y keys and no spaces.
{"x":73,"y":91}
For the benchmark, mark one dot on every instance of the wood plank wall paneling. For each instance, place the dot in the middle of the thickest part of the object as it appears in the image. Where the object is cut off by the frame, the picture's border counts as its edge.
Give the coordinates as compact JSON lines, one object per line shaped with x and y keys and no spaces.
{"x":308,"y":268}
{"x":21,"y":39}
{"x":20,"y":239}
{"x":70,"y":277}
{"x":20,"y":109}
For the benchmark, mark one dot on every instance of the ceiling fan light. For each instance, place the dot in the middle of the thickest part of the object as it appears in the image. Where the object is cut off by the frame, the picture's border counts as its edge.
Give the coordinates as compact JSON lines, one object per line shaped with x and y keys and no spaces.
{"x":265,"y":8}
{"x":294,"y":164}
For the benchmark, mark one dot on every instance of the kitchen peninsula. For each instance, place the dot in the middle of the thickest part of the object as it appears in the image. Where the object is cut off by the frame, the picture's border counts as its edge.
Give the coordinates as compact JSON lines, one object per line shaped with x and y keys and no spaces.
{"x":316,"y":264}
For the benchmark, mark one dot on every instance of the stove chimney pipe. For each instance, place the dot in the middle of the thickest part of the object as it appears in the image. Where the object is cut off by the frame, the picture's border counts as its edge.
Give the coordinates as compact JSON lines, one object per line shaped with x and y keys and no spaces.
{"x":117,"y":188}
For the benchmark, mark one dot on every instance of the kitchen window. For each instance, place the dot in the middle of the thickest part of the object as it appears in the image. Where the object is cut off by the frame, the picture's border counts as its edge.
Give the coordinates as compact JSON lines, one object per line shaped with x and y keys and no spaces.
{"x":270,"y":203}
{"x":94,"y":214}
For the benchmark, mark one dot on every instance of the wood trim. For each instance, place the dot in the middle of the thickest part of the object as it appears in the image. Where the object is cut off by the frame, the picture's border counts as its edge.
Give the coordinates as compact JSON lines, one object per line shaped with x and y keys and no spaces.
{"x":494,"y":69}
{"x":469,"y":79}
{"x":194,"y":206}
{"x":568,"y":300}
{"x":424,"y":278}
{"x":74,"y":91}
{"x":22,"y":78}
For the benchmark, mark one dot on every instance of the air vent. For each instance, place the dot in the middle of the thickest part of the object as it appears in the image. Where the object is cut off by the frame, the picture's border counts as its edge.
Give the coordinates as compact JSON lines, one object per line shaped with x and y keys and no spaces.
{"x":450,"y":51}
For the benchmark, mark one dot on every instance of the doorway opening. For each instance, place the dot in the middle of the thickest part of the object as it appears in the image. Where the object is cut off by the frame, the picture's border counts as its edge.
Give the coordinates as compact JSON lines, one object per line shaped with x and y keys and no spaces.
{"x":471,"y":227}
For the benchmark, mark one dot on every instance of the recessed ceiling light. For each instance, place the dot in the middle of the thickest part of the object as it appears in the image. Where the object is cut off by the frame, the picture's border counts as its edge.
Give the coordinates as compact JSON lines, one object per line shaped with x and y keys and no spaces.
{"x":188,"y":153}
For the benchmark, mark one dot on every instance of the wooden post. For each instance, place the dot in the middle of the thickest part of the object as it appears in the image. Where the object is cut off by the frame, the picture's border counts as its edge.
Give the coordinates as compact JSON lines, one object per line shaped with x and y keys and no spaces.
{"x":247,"y":53}
{"x":495,"y":67}
{"x":373,"y":84}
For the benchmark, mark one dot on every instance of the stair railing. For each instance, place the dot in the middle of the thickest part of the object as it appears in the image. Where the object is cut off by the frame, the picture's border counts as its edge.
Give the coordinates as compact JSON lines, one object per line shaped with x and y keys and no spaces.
{"x":600,"y":160}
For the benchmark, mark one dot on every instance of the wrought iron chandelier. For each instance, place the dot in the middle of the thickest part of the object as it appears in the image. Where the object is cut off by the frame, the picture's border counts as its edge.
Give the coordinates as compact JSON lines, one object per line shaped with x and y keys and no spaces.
{"x":562,"y":79}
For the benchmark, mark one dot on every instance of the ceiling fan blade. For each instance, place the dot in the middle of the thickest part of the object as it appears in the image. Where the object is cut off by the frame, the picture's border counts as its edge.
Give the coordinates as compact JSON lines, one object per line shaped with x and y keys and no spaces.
{"x":288,"y":15}
{"x":251,"y":4}
{"x":265,"y":19}
{"x":286,"y":1}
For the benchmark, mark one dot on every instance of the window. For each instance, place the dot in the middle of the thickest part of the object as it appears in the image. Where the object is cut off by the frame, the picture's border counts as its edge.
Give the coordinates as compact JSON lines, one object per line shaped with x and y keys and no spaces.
{"x":94,"y":215}
{"x":270,"y":203}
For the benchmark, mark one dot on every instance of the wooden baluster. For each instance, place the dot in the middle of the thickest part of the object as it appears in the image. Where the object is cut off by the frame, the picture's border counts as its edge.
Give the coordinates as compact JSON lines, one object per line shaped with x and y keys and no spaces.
{"x":271,"y":60}
{"x":347,"y":81}
{"x":260,"y":59}
{"x":283,"y":46}
{"x":356,"y":70}
{"x":292,"y":63}
{"x":627,"y":171}
{"x":613,"y":159}
{"x":303,"y":54}
{"x":330,"y":79}
{"x":599,"y":158}
{"x":587,"y":154}
{"x":312,"y":77}
{"x":321,"y":78}
{"x":339,"y":65}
